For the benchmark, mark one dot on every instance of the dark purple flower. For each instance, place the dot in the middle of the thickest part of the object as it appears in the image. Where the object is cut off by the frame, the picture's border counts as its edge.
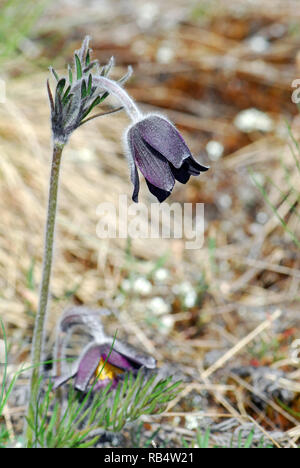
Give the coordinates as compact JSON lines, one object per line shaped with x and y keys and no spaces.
{"x":105,"y":359}
{"x":159,"y":151}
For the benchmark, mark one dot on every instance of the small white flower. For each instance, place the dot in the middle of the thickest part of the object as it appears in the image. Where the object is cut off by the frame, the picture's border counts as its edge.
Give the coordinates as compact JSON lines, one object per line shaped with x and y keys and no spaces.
{"x":214,"y":150}
{"x":191,"y":422}
{"x":259,"y":44}
{"x":139,"y":286}
{"x":147,"y":14}
{"x":158,"y":306}
{"x":161,"y":274}
{"x":225,"y":201}
{"x":187,"y":292}
{"x":167,"y":323}
{"x":190,"y":299}
{"x":142,"y":286}
{"x":251,"y":120}
{"x":165,"y":54}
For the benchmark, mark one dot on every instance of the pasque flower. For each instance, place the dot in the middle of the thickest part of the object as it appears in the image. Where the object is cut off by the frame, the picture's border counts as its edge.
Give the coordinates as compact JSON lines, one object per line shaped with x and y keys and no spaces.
{"x":158,"y":150}
{"x":105,"y":359}
{"x":156,"y":147}
{"x":153,"y":143}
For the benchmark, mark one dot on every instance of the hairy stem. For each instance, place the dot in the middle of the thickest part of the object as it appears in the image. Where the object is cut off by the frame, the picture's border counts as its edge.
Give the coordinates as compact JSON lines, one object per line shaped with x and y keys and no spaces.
{"x":116,"y":90}
{"x":39,"y":329}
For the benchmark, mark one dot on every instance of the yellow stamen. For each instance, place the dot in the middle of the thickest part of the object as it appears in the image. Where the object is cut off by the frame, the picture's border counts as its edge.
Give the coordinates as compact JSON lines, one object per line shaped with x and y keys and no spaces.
{"x":108,"y":372}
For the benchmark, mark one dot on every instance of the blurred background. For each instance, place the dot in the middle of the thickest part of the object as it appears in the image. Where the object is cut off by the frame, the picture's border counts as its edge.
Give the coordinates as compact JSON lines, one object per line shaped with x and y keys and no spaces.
{"x":223,"y":72}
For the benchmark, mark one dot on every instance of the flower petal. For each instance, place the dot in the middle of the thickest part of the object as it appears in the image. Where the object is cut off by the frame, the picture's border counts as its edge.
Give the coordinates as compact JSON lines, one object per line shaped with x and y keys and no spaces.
{"x":133,"y":355}
{"x":154,"y":167}
{"x":81,"y":315}
{"x":88,"y":364}
{"x":194,"y":167}
{"x":189,"y":167}
{"x":136,"y":183}
{"x":182,"y":173}
{"x":118,"y":360}
{"x":134,"y":176}
{"x":103,"y":383}
{"x":161,"y":135}
{"x":61,"y":379}
{"x":160,"y":194}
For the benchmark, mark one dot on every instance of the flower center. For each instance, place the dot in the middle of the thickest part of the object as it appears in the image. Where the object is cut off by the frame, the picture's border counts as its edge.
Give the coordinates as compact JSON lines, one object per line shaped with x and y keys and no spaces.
{"x":108,"y":371}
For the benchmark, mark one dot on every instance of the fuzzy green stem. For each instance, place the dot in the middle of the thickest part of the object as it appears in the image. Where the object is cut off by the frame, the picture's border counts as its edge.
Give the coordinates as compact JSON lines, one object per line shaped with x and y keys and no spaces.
{"x":39,"y":329}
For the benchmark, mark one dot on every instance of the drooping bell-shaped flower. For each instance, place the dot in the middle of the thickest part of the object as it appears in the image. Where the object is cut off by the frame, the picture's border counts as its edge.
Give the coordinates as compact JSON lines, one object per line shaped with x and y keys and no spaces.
{"x":105,"y":359}
{"x":156,"y":147}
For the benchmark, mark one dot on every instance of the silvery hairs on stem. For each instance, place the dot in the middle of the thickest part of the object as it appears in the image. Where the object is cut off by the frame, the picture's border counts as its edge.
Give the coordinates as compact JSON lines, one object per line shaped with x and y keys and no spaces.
{"x":79,"y":93}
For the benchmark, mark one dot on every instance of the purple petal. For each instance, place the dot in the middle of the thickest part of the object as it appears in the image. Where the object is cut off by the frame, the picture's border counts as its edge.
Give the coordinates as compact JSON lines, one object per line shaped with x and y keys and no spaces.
{"x":165,"y":138}
{"x":103,"y":383}
{"x":133,"y":355}
{"x":136,"y":184}
{"x":160,"y":194}
{"x":194,"y":167}
{"x":134,"y":176}
{"x":60,"y":380}
{"x":117,"y":360}
{"x":182,"y":173}
{"x":188,"y":168}
{"x":154,"y":167}
{"x":88,"y":364}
